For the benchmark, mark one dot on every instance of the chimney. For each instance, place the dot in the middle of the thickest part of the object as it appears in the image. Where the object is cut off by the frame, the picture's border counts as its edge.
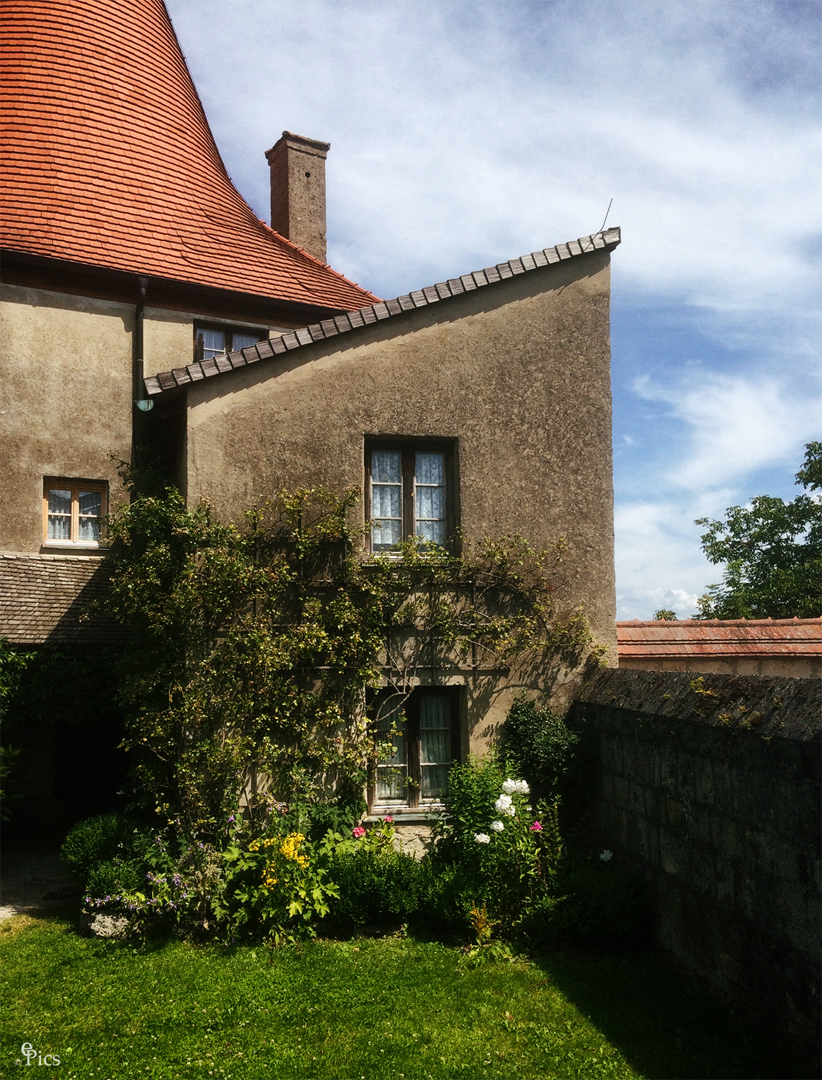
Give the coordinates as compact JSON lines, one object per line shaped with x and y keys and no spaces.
{"x":298,"y":190}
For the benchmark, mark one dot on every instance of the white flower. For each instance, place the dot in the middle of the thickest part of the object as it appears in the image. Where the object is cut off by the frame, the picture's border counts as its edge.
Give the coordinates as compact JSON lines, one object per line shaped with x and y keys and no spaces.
{"x":606,"y":855}
{"x":482,"y":838}
{"x":497,"y":826}
{"x":504,"y":805}
{"x":515,"y":787}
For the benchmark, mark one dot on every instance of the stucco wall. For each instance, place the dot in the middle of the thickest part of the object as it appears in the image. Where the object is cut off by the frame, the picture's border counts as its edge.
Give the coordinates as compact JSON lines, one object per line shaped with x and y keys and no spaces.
{"x":66,"y":372}
{"x":711,"y":786}
{"x":66,"y":399}
{"x":517,"y":374}
{"x":168,"y":336}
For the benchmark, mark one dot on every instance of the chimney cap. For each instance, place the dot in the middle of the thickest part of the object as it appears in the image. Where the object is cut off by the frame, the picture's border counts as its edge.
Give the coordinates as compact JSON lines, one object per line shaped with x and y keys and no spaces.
{"x":298,"y":142}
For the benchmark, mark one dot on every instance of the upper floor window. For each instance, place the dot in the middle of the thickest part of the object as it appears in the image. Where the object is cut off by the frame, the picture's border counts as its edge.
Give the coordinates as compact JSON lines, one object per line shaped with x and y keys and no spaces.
{"x":211,"y":341}
{"x":73,"y":511}
{"x":410,"y":493}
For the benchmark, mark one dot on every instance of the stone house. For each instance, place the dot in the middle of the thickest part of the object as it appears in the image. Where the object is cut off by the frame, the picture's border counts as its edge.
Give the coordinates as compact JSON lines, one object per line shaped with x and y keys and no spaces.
{"x":145,"y":303}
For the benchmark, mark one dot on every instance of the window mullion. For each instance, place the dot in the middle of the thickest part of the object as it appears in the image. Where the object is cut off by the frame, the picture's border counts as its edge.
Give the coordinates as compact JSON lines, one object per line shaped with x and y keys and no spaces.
{"x":409,"y":524}
{"x":414,"y":769}
{"x":75,"y":514}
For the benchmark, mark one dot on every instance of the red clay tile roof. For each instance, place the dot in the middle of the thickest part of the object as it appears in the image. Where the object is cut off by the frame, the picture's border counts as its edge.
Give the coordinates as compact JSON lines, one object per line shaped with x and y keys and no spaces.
{"x":108,"y":159}
{"x":43,"y":596}
{"x":719,"y":637}
{"x":385,"y":309}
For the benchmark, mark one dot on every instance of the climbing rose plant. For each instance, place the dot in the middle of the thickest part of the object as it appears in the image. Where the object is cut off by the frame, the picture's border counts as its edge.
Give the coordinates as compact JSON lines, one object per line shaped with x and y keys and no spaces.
{"x":253,"y":644}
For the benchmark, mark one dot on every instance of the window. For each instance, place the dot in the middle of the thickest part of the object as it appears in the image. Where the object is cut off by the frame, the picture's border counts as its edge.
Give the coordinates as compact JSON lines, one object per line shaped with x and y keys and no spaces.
{"x":210,"y":341}
{"x":426,"y":744}
{"x":73,"y":511}
{"x":410,"y":493}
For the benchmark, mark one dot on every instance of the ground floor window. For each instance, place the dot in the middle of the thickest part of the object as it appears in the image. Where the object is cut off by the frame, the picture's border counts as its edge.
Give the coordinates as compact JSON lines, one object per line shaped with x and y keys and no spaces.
{"x":424,"y":733}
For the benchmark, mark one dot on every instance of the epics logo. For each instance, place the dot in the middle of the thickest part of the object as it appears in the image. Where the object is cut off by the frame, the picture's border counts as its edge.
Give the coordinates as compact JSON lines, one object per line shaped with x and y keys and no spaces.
{"x":28,"y":1052}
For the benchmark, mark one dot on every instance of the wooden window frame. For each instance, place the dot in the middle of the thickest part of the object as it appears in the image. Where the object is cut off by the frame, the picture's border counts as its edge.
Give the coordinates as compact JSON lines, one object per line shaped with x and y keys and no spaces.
{"x":413,"y":801}
{"x":408,"y":448}
{"x":229,"y":330}
{"x":75,"y":485}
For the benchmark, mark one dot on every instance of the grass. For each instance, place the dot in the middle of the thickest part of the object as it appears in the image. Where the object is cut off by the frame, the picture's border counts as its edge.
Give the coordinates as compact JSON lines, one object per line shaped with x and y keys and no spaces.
{"x":368,"y":1009}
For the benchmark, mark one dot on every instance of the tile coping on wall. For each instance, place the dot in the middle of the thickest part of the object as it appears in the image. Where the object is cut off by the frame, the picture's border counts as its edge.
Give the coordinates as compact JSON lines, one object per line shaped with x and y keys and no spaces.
{"x":373,"y":313}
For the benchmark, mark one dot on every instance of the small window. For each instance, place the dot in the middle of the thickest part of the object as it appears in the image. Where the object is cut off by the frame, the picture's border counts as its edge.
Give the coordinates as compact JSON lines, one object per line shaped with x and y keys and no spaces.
{"x":73,"y":511}
{"x":425,"y":744}
{"x":410,"y":493}
{"x":211,"y":341}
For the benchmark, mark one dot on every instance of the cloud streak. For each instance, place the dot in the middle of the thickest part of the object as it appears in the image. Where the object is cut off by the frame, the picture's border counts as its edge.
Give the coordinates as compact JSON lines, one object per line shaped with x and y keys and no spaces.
{"x":464,"y":134}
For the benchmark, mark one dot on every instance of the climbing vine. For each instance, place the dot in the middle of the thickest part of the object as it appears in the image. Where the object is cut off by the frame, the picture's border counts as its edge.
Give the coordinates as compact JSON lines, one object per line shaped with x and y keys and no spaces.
{"x":253,"y":644}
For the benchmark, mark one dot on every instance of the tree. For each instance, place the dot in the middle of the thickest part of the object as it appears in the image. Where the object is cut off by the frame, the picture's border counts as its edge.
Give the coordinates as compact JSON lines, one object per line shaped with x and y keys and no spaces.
{"x":772,"y":553}
{"x":254,"y":645}
{"x":665,"y":615}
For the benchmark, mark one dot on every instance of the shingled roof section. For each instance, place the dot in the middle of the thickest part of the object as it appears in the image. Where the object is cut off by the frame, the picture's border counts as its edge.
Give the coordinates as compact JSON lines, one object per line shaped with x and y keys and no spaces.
{"x":42,"y":598}
{"x":387,"y":309}
{"x":108,"y":159}
{"x":719,"y":637}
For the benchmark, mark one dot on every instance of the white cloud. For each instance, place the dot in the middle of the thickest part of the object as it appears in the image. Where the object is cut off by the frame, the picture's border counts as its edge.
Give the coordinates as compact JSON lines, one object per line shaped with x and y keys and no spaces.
{"x":478,"y":132}
{"x":659,"y":562}
{"x":734,"y":425}
{"x":465,"y":133}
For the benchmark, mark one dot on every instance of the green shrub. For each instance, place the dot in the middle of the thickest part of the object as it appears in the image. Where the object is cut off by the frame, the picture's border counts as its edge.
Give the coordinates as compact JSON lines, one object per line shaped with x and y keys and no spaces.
{"x":593,"y":904}
{"x":113,"y":877}
{"x":378,"y":888}
{"x":100,"y":839}
{"x":316,"y":819}
{"x":503,"y":853}
{"x":539,"y":745}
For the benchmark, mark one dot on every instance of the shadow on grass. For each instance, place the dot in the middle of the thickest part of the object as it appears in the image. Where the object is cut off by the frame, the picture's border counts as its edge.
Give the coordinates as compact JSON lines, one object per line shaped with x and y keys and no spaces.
{"x":665,"y":1023}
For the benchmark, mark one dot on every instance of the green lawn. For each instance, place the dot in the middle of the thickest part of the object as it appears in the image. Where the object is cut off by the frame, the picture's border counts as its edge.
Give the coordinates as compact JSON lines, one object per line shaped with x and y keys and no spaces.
{"x":379,"y":1009}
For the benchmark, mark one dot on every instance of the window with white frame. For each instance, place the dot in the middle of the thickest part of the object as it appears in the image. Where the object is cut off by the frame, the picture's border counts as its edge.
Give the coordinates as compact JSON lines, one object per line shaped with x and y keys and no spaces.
{"x":73,"y":511}
{"x":423,"y":735}
{"x":410,"y":492}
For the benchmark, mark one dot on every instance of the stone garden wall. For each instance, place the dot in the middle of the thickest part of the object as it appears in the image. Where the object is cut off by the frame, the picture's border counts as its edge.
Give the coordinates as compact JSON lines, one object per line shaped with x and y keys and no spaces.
{"x":710,"y":785}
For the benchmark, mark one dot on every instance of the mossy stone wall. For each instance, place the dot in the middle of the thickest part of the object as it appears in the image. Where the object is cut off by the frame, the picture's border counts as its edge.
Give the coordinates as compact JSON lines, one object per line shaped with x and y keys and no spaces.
{"x":710,"y":784}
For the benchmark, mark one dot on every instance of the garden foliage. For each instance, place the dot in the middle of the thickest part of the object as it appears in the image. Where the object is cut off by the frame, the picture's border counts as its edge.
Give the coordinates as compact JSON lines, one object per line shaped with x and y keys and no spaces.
{"x":498,"y":871}
{"x":539,"y":745}
{"x":252,"y":651}
{"x":253,"y":645}
{"x":772,"y":552}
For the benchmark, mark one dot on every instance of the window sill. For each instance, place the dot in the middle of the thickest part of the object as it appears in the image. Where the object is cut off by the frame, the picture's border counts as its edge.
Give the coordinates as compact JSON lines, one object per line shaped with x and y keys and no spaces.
{"x":404,"y":816}
{"x":73,"y":547}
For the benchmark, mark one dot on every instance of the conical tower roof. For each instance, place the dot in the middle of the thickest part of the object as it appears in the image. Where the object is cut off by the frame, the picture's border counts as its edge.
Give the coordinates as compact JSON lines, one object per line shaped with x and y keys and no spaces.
{"x":108,"y":159}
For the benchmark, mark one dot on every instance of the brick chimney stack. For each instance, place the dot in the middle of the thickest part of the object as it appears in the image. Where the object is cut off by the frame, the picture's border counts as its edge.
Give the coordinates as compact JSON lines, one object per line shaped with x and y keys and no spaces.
{"x":298,"y":190}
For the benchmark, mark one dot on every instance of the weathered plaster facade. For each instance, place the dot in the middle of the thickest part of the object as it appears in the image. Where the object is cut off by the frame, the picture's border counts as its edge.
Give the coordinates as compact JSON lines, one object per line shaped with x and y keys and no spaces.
{"x":66,"y":404}
{"x":71,"y":415}
{"x":517,"y":375}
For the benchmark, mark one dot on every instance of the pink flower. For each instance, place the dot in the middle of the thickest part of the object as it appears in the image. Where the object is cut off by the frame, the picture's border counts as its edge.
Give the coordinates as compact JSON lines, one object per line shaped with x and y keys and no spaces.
{"x":536,"y":827}
{"x":388,"y":818}
{"x":358,"y":832}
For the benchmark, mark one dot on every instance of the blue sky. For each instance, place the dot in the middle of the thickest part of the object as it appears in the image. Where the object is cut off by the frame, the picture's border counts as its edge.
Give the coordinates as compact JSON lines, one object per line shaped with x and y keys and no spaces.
{"x":464,"y":134}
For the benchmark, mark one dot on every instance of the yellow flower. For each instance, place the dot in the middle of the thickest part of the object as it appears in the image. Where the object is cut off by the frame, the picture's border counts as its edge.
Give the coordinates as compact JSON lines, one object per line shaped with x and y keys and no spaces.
{"x":290,"y":848}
